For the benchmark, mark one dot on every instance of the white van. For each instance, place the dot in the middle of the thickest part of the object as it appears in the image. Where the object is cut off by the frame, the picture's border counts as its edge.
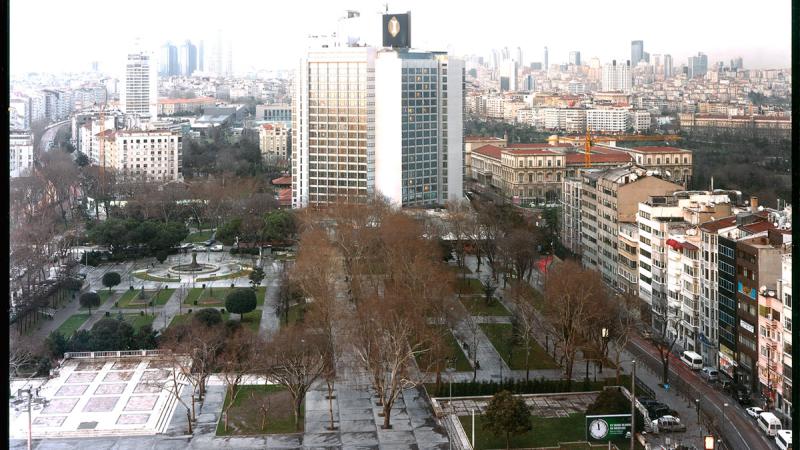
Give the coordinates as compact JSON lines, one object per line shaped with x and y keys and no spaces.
{"x":784,"y":439}
{"x":769,"y":423}
{"x":692,"y":359}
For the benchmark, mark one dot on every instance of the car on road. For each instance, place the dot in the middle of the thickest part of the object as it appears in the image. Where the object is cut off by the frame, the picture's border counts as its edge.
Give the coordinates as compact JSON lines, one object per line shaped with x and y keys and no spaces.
{"x":216,"y":248}
{"x":667,"y":424}
{"x":753,"y":411}
{"x":710,"y":374}
{"x":784,"y":439}
{"x":209,"y":242}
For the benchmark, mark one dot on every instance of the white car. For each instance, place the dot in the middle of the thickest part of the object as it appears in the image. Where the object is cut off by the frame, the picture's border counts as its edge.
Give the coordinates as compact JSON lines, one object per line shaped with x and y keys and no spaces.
{"x":216,"y":248}
{"x":754,"y":411}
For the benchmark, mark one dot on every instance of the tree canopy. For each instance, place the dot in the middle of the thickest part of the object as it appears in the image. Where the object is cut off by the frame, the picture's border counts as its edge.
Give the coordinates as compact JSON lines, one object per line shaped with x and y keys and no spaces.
{"x":241,"y":301}
{"x":507,"y":415}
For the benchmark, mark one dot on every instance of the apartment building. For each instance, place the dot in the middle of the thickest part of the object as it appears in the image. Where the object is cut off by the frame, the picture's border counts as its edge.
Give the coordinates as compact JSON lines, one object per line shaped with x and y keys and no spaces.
{"x":610,"y":197}
{"x":146,"y":154}
{"x":662,"y":218}
{"x":672,"y":162}
{"x":683,"y":286}
{"x":273,"y":141}
{"x":712,"y":125}
{"x":783,"y":403}
{"x":770,"y":343}
{"x":170,"y":106}
{"x":20,"y":153}
{"x":758,"y":263}
{"x":628,"y":259}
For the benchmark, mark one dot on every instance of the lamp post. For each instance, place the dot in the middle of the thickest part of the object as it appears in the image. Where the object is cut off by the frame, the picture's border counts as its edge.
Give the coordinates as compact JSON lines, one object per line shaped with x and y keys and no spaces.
{"x":603,"y":338}
{"x":473,"y":428}
{"x":697,"y":404}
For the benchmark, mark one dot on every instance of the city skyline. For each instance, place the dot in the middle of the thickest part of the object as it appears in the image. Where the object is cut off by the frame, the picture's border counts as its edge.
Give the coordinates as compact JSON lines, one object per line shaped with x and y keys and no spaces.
{"x":252,"y":32}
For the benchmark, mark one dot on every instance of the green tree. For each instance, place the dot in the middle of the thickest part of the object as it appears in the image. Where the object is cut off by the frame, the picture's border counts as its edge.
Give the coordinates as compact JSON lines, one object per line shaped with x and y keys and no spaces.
{"x":257,"y":276}
{"x":111,"y":279}
{"x":56,"y":344}
{"x":90,"y":300}
{"x":507,"y":415}
{"x":229,"y":230}
{"x":72,"y":284}
{"x":278,"y":225}
{"x":161,"y":256}
{"x":110,"y":334}
{"x":241,"y":301}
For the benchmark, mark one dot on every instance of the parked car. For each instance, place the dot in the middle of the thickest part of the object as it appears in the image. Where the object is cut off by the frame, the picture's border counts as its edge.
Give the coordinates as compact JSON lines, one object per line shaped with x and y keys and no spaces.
{"x":753,"y":411}
{"x":216,"y":248}
{"x":209,"y":242}
{"x":710,"y":374}
{"x":668,"y":424}
{"x":658,"y":410}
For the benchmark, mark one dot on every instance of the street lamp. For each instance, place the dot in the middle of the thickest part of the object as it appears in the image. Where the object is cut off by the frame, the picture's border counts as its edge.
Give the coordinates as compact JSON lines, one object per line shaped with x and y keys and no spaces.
{"x":603,"y":338}
{"x":28,"y":391}
{"x":697,"y":404}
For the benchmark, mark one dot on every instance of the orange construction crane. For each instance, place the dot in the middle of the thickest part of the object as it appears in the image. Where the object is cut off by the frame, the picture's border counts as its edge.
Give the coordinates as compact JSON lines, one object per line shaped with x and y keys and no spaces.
{"x":587,"y":146}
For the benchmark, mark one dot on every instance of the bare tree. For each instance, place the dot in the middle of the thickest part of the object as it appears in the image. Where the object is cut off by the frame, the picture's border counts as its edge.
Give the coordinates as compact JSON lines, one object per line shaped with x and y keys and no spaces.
{"x":525,"y":317}
{"x":296,"y":358}
{"x":203,"y":345}
{"x":237,"y":360}
{"x":622,"y":326}
{"x":571,"y":294}
{"x":518,"y":249}
{"x":384,"y":339}
{"x":664,"y":341}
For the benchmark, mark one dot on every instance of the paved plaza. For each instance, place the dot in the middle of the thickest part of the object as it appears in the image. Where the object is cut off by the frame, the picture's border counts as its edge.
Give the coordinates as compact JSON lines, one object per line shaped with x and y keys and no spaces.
{"x":541,"y":405}
{"x":96,"y":397}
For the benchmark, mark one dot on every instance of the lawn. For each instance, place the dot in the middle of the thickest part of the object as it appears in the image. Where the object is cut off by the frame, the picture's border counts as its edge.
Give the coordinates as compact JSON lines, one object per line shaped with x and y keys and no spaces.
{"x":245,"y":416}
{"x":251,"y":319}
{"x":104,"y":295}
{"x":478,"y":307}
{"x":545,"y":432}
{"x":131,"y":298}
{"x":469,"y":286}
{"x":138,"y":321}
{"x":200,"y":236}
{"x":72,"y":324}
{"x":500,"y":334}
{"x":230,"y":276}
{"x":205,"y":297}
{"x":462,"y":364}
{"x":148,"y":277}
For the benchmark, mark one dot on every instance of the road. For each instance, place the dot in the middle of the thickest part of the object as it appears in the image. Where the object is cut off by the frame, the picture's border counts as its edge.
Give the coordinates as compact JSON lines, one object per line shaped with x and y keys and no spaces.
{"x":49,"y":136}
{"x":740,"y":431}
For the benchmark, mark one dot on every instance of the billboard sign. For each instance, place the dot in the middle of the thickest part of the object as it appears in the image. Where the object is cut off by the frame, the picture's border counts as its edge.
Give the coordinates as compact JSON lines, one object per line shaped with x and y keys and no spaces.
{"x":607,"y":427}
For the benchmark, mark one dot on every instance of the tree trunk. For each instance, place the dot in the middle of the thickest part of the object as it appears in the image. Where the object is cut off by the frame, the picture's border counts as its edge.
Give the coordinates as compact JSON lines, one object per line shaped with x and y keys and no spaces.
{"x":193,"y":412}
{"x":387,"y":413}
{"x":330,"y":404}
{"x":508,"y":440}
{"x":527,"y":361}
{"x":297,"y":404}
{"x":189,"y":421}
{"x":665,"y":374}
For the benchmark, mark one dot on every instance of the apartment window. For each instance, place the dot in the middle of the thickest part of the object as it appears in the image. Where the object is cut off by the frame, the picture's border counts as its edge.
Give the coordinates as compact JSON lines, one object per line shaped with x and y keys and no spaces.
{"x":787,"y":300}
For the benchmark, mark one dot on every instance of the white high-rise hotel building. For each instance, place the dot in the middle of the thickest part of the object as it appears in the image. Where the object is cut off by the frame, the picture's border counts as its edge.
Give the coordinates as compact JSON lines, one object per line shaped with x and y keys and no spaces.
{"x":617,"y":77}
{"x":140,"y":94}
{"x":377,"y":121}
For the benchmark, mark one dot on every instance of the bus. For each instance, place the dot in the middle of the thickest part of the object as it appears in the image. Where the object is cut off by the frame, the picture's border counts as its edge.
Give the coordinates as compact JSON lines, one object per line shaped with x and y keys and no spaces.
{"x":769,"y":423}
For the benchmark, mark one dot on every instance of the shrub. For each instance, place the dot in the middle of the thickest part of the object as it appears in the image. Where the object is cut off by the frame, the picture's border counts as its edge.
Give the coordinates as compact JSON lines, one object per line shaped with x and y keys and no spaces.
{"x":208,"y":317}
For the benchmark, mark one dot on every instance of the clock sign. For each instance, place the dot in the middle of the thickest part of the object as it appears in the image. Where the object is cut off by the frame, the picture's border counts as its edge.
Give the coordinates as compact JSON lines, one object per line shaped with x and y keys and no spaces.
{"x":598,"y":428}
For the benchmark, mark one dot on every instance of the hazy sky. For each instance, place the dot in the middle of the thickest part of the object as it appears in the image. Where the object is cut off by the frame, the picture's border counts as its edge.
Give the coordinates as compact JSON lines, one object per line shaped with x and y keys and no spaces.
{"x":58,"y":35}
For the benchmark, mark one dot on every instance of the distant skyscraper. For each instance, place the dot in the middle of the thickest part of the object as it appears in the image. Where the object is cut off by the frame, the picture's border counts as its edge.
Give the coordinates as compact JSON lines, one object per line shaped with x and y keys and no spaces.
{"x":737,"y":64}
{"x":403,"y":142}
{"x":495,"y":59}
{"x":529,"y":83}
{"x":140,"y":94}
{"x":220,"y":61}
{"x":201,"y":53}
{"x":667,"y":66}
{"x":546,"y":61}
{"x":187,"y":59}
{"x":95,"y":66}
{"x":509,"y":71}
{"x":518,"y":56}
{"x":575,"y":58}
{"x":698,"y":65}
{"x":168,"y":60}
{"x":637,"y":52}
{"x":617,"y":77}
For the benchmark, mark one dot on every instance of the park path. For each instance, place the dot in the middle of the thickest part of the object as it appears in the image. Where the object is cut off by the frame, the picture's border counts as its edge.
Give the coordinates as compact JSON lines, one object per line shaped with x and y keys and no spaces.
{"x":172,"y":308}
{"x":100,"y":312}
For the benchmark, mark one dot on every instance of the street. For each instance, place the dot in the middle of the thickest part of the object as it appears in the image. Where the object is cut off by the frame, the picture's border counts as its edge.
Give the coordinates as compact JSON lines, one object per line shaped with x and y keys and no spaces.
{"x":740,"y":430}
{"x":49,"y":136}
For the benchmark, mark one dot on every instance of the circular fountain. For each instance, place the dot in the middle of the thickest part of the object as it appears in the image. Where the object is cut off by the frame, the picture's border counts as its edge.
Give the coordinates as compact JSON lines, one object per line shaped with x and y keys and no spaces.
{"x":193,"y":268}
